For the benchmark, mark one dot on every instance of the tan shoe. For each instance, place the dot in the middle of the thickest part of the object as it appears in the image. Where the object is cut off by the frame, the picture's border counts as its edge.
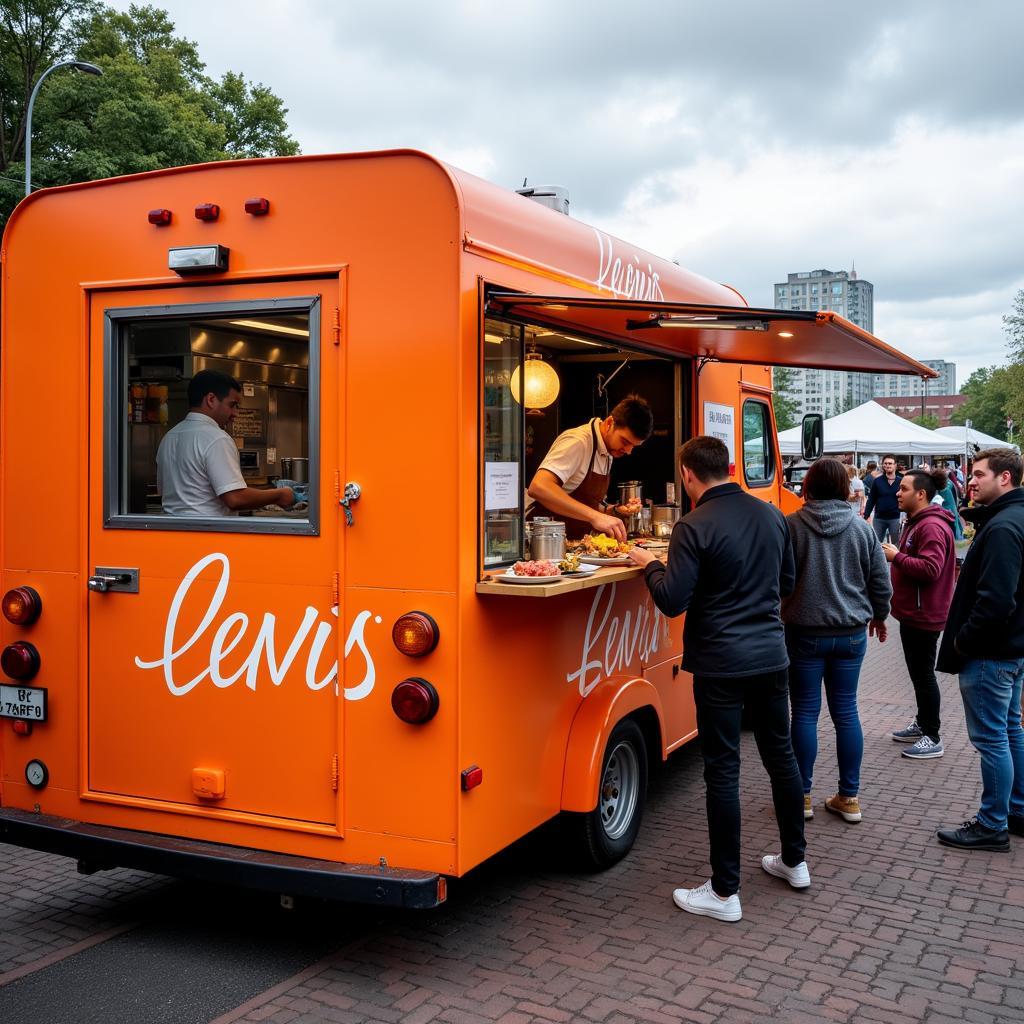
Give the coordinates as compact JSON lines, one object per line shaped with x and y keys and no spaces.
{"x":808,"y":809}
{"x":847,"y":807}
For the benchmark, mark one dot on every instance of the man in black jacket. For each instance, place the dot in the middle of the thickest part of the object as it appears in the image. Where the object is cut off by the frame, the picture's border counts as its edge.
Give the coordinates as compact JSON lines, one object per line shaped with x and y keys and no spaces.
{"x":730,"y":561}
{"x":883,"y":501}
{"x":984,"y":643}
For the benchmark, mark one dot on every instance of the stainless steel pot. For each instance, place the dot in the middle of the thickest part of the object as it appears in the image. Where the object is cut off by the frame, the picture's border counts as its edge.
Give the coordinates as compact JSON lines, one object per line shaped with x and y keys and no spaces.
{"x":547,"y":539}
{"x":295,"y":469}
{"x":630,"y":490}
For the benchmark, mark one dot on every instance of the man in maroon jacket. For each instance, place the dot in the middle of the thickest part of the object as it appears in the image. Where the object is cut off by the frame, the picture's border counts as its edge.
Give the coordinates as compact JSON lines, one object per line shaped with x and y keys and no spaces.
{"x":922,"y":588}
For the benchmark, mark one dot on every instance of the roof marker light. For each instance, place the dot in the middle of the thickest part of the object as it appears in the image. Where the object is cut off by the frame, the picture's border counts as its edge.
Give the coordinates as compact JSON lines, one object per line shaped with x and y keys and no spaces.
{"x":257,"y":207}
{"x":161,"y":218}
{"x":207,"y":211}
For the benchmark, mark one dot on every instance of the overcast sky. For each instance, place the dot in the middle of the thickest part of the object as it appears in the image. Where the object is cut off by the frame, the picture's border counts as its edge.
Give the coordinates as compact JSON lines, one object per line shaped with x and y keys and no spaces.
{"x":744,"y":139}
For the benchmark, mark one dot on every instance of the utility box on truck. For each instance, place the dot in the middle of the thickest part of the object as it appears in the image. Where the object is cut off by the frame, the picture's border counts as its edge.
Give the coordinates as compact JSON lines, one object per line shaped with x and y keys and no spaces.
{"x":346,"y":697}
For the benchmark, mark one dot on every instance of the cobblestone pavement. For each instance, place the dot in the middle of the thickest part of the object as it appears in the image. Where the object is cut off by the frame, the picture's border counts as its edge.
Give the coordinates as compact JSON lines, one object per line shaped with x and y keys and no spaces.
{"x":894,"y":927}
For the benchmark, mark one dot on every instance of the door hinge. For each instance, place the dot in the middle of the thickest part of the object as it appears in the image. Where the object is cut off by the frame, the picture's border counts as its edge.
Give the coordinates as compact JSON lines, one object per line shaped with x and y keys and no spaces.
{"x":334,"y":773}
{"x":335,"y":590}
{"x":336,"y":326}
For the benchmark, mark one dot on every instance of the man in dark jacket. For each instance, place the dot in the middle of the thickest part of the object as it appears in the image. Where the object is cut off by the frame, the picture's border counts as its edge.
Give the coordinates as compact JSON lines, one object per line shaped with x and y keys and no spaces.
{"x":923,"y":567}
{"x":730,"y":561}
{"x":984,"y":643}
{"x":883,"y":503}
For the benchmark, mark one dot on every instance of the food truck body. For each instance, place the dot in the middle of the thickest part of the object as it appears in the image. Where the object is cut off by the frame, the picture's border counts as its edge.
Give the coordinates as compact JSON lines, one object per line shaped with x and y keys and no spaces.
{"x":231,"y":698}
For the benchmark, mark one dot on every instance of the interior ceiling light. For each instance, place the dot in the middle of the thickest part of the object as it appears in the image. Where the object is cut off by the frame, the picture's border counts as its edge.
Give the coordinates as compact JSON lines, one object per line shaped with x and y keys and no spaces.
{"x":540,"y":382}
{"x":277,"y":328}
{"x":700,"y":323}
{"x":785,"y":334}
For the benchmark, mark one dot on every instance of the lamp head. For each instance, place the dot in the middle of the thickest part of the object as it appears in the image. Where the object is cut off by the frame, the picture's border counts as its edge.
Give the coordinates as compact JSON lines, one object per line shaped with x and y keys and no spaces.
{"x":89,"y":69}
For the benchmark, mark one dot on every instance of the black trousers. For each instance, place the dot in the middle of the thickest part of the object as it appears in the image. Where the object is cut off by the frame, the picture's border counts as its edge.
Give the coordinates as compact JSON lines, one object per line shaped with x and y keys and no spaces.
{"x":720,"y":703}
{"x":919,"y":649}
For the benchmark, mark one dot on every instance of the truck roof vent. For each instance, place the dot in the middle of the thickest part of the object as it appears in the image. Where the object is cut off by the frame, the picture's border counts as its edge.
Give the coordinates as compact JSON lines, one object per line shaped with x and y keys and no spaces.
{"x":554,"y":197}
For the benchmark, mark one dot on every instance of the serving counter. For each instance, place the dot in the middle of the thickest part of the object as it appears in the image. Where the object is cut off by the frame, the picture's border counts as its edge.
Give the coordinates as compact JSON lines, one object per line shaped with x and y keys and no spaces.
{"x":494,"y":585}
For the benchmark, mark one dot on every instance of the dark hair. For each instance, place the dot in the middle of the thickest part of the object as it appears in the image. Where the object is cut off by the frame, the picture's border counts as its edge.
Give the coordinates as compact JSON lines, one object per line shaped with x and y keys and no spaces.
{"x":634,"y":413}
{"x":941,"y":478}
{"x":706,"y":458}
{"x":826,"y":480}
{"x":872,"y":465}
{"x":923,"y":480}
{"x":206,"y":381}
{"x":893,"y":457}
{"x":1003,"y":460}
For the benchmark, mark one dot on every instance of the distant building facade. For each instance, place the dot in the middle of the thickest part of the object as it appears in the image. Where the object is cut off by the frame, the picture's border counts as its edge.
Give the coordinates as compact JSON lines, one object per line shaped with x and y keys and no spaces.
{"x":895,"y":385}
{"x":941,"y":407}
{"x":829,"y":391}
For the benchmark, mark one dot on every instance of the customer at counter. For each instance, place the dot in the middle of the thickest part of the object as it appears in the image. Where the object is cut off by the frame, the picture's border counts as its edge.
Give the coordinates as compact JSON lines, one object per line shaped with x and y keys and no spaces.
{"x":572,"y":481}
{"x":197,"y":465}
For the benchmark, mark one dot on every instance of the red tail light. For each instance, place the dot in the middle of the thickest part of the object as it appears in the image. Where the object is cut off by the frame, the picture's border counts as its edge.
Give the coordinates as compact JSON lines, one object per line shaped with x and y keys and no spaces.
{"x":20,"y":660}
{"x":257,"y":207}
{"x":415,"y":634}
{"x":21,"y":727}
{"x":22,"y":606}
{"x":207,"y":211}
{"x":415,"y":701}
{"x":161,"y":218}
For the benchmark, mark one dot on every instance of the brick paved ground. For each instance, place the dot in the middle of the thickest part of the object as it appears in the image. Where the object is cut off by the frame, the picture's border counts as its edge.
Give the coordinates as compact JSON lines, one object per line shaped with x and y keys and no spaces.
{"x":894,"y":927}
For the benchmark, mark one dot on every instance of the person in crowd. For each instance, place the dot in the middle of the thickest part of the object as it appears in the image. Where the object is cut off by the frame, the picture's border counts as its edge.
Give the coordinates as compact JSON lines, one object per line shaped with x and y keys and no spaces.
{"x":730,"y":561}
{"x":882,"y":502}
{"x":984,"y":643}
{"x":571,"y":483}
{"x":855,"y":495}
{"x":842,"y":592}
{"x":197,"y":465}
{"x":946,"y":496}
{"x":870,"y":474}
{"x":923,"y":569}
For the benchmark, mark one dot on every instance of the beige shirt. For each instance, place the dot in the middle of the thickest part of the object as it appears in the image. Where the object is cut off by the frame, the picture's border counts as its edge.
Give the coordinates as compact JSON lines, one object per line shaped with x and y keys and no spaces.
{"x":569,"y":457}
{"x":195,"y":464}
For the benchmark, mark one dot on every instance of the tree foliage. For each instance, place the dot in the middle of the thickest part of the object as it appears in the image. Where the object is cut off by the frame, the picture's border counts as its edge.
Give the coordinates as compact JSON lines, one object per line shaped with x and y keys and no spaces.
{"x":786,"y":406}
{"x":988,"y":393}
{"x":153,"y":107}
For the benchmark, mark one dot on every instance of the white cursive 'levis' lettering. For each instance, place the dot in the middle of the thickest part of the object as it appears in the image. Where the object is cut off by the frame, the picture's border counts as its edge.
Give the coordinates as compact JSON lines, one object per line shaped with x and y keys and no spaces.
{"x":233,"y":629}
{"x":629,"y":278}
{"x":612,"y":643}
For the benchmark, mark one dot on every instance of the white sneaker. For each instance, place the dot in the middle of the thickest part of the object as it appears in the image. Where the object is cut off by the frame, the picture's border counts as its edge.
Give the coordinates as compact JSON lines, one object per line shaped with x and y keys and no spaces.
{"x":798,"y":877}
{"x":704,"y":902}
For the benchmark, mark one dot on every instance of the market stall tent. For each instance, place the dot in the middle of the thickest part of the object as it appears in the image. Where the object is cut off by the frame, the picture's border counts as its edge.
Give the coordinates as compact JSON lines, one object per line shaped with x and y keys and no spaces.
{"x":975,"y":438}
{"x":872,"y":428}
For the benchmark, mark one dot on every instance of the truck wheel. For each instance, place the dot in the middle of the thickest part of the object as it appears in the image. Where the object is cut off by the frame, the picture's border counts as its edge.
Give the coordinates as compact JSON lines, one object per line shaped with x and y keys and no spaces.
{"x":605,"y":835}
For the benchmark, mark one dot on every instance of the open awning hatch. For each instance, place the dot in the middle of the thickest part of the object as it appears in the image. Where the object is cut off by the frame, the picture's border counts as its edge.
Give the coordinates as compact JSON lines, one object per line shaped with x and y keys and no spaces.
{"x":729,"y":334}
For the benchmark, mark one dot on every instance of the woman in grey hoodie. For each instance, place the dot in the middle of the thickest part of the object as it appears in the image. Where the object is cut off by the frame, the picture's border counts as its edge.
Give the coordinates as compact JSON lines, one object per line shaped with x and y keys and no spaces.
{"x":842,"y":592}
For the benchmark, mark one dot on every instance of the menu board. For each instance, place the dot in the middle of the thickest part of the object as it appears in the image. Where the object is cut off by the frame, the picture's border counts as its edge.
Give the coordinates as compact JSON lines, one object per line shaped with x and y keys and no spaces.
{"x":249,"y":423}
{"x":501,"y":485}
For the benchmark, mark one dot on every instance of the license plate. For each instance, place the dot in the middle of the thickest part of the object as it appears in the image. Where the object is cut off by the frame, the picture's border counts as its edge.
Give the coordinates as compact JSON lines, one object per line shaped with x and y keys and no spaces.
{"x":27,"y":702}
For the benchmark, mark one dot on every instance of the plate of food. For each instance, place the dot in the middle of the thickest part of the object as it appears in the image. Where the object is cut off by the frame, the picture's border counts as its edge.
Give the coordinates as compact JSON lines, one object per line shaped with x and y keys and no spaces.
{"x":600,"y":549}
{"x":572,"y":566}
{"x":537,"y":571}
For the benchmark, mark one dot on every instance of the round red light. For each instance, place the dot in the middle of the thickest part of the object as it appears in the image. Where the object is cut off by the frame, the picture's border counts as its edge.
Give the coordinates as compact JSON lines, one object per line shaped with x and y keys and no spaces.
{"x":415,"y":634}
{"x":22,"y":606}
{"x":415,"y":701}
{"x":20,"y":660}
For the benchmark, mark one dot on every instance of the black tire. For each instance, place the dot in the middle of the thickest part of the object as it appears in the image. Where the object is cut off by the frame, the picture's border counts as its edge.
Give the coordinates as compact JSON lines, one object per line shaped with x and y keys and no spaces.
{"x":602,"y":837}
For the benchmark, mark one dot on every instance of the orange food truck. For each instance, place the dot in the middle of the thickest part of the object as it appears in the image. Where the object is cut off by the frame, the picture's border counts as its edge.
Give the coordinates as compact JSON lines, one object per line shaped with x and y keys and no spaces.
{"x":349,"y":698}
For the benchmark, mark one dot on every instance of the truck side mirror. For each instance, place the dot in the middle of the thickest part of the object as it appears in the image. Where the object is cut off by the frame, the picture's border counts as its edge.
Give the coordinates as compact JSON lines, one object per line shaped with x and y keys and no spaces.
{"x":812,"y":436}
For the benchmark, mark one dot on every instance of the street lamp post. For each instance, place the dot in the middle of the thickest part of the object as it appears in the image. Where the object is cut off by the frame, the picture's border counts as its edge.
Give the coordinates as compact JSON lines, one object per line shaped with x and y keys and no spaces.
{"x":78,"y":65}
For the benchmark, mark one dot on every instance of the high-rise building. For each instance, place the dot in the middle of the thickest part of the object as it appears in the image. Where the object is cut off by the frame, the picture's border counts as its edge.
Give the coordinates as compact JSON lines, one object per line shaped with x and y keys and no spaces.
{"x":895,"y":385}
{"x":829,"y":391}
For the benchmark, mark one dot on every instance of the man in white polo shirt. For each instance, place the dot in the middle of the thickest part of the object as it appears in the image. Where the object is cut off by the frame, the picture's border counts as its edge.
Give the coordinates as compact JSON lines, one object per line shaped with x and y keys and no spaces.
{"x":572,"y":481}
{"x":197,"y":468}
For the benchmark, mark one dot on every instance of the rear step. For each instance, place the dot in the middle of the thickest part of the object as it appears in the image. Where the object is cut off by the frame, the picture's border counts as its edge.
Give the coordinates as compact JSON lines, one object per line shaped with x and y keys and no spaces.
{"x":98,"y":848}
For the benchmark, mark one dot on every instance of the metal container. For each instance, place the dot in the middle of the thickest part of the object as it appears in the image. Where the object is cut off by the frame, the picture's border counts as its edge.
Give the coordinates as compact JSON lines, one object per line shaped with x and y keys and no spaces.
{"x":547,"y":539}
{"x":630,"y":490}
{"x":295,"y":469}
{"x":663,"y":518}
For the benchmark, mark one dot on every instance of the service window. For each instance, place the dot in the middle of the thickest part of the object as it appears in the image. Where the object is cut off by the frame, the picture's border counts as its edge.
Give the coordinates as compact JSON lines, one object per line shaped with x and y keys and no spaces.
{"x":152,"y":356}
{"x":758,"y":459}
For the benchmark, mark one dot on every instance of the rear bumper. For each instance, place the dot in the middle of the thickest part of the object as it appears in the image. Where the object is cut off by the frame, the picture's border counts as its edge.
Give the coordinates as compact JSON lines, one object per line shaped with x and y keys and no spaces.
{"x":98,"y":847}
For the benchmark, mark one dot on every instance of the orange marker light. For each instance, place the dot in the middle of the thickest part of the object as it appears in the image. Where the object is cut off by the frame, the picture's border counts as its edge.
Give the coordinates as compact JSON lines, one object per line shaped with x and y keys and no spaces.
{"x":22,"y":606}
{"x":415,"y":634}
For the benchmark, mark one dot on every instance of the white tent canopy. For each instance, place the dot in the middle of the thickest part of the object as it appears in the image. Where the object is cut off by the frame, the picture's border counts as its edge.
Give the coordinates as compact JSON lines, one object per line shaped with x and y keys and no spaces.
{"x":975,"y":438}
{"x":873,"y":429}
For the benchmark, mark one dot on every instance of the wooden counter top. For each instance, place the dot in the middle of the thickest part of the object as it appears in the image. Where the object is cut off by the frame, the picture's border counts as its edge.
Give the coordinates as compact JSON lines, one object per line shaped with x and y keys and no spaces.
{"x":494,"y":586}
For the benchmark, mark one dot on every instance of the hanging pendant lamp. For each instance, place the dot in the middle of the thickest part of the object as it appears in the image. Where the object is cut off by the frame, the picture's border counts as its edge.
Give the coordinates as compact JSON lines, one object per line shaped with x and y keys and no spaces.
{"x":541,"y":383}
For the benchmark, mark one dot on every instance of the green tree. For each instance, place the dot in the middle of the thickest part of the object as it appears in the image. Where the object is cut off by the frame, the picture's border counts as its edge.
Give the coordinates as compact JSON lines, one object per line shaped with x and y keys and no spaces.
{"x":153,"y":107}
{"x":1013,"y":325}
{"x":927,"y":420}
{"x":988,"y":391}
{"x":786,"y":406}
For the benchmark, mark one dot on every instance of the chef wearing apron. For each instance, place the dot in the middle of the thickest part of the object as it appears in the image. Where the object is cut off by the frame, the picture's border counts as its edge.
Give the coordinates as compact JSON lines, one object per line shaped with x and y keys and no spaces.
{"x":572,"y":481}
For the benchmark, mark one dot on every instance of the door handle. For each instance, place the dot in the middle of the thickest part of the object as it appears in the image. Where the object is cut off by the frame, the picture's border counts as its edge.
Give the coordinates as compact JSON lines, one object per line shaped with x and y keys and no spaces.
{"x":352,"y":493}
{"x":123,"y":581}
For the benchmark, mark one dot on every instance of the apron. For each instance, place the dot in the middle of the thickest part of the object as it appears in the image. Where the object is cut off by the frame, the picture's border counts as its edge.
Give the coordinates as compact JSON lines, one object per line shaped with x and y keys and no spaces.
{"x":592,"y":490}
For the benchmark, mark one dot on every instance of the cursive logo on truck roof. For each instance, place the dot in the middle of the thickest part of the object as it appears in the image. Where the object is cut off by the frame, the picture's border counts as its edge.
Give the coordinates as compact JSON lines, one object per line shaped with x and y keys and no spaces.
{"x":627,"y":275}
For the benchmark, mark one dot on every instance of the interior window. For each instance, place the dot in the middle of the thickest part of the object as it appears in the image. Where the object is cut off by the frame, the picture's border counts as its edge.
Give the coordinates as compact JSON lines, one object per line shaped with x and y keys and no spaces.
{"x":152,"y":360}
{"x":758,"y":461}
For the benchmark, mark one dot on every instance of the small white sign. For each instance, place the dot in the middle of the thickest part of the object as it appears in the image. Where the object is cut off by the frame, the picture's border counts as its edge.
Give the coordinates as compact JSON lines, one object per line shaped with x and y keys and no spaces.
{"x":248,"y":391}
{"x":271,"y":456}
{"x":720,"y":422}
{"x":501,"y":485}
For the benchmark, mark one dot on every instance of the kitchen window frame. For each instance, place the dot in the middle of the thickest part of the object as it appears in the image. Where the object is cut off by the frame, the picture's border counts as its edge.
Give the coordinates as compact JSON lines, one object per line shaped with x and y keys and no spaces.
{"x":115,"y":419}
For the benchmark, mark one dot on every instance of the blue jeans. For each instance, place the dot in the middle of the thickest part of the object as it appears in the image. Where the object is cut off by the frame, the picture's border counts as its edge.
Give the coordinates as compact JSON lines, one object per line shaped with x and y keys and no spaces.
{"x":884,"y":526}
{"x":991,"y":694}
{"x":837,"y":661}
